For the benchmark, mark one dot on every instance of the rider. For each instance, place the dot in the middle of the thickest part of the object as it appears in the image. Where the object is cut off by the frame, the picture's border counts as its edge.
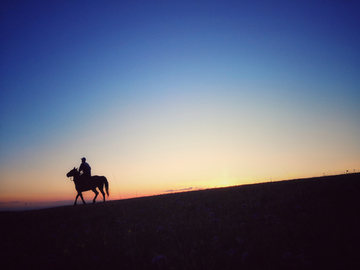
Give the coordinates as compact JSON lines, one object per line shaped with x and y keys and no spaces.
{"x":85,"y":169}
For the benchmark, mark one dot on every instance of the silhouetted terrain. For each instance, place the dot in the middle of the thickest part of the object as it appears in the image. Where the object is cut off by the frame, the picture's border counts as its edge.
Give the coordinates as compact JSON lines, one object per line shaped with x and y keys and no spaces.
{"x":298,"y":224}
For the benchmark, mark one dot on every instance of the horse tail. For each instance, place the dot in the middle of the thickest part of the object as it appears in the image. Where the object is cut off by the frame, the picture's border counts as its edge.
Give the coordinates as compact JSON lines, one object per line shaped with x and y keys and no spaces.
{"x":106,"y":186}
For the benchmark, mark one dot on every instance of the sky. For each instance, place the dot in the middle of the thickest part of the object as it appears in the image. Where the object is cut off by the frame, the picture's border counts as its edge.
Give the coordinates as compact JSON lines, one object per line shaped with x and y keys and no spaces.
{"x":163,"y":96}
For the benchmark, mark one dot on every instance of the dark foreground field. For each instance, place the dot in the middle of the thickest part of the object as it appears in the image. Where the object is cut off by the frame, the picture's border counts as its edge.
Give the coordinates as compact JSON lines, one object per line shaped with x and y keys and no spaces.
{"x":299,"y":224}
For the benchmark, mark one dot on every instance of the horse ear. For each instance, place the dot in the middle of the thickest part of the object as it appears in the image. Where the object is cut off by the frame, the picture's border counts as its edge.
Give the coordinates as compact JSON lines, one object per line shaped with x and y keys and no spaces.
{"x":74,"y":168}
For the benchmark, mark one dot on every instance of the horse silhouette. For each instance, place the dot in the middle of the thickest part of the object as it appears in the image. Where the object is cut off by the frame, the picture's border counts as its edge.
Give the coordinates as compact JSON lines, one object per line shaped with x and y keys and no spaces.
{"x":94,"y":182}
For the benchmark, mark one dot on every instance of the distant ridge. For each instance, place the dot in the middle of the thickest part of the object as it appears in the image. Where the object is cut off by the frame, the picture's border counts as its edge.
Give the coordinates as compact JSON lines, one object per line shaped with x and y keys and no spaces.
{"x":46,"y":205}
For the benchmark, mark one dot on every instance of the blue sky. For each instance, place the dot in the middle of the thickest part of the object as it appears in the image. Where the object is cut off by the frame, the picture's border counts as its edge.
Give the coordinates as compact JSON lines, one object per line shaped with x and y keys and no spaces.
{"x":178,"y":92}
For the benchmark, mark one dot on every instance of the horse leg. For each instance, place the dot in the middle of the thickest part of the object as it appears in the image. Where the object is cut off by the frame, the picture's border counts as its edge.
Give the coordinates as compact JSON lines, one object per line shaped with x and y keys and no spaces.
{"x":77,"y":196}
{"x":102,"y":192}
{"x":82,"y":198}
{"x":96,"y":194}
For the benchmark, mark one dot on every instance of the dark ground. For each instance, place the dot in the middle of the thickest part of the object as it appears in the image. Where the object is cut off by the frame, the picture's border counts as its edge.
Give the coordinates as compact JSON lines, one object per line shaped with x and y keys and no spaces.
{"x":299,"y":224}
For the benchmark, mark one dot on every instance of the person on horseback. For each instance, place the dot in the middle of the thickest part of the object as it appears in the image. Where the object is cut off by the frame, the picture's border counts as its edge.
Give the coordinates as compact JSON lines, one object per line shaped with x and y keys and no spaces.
{"x":85,"y":169}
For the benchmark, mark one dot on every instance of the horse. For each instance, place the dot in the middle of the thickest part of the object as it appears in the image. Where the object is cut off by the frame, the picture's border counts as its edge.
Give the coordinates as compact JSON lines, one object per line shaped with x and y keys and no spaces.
{"x":94,"y":182}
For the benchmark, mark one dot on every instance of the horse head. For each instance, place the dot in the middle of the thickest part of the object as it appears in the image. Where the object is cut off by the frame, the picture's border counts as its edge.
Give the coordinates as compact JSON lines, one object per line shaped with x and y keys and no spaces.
{"x":74,"y":172}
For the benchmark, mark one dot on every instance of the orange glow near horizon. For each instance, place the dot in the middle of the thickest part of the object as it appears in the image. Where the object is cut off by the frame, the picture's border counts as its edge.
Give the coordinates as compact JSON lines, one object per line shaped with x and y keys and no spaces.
{"x":28,"y":200}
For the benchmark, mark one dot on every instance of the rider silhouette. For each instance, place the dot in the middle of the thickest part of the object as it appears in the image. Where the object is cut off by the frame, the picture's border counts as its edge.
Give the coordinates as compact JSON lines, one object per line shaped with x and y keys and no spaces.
{"x":85,"y":169}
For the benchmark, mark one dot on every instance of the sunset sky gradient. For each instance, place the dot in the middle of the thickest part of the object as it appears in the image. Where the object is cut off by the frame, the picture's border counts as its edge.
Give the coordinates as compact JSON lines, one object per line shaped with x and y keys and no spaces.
{"x":169,"y":95}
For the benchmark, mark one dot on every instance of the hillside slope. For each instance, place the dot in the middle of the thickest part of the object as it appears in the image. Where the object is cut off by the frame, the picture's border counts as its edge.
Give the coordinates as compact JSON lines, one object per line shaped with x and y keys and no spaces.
{"x":298,"y":224}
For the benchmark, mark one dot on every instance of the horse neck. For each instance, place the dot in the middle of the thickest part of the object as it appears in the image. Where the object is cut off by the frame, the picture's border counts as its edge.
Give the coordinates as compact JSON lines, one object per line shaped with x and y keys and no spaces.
{"x":76,"y":177}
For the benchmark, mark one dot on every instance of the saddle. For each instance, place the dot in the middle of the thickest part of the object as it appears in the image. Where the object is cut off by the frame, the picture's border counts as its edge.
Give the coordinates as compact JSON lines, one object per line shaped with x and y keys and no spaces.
{"x":85,"y":179}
